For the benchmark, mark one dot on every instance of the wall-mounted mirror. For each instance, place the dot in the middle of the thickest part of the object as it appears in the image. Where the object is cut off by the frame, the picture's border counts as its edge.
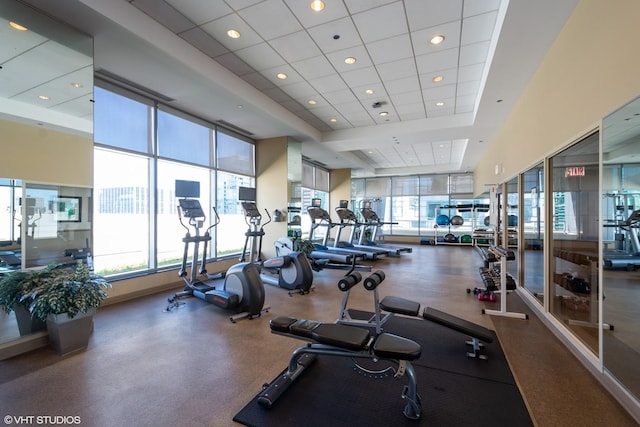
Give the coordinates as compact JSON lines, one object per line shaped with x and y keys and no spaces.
{"x":46,"y":126}
{"x":294,"y":178}
{"x":620,"y":244}
{"x":533,"y":231}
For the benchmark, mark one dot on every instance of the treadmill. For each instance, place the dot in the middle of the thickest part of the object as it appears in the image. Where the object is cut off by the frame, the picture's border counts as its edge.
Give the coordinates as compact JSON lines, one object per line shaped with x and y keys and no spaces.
{"x":348,"y":219}
{"x":629,"y":260}
{"x":321,"y":218}
{"x":374,"y":222}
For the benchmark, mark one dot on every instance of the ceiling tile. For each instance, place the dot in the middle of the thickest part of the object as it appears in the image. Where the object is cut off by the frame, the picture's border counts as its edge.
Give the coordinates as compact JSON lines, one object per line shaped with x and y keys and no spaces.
{"x":235,"y":64}
{"x":339,"y":97}
{"x":397,"y":69}
{"x":292,"y":76}
{"x":361,"y":76}
{"x":312,"y":68}
{"x":448,"y":77}
{"x":359,"y":52}
{"x":478,"y":28}
{"x":241,"y":4}
{"x":381,"y":22}
{"x":328,"y":83}
{"x":470,"y":72}
{"x":261,"y":17}
{"x":428,"y":13}
{"x":437,"y":61}
{"x":203,"y":42}
{"x":258,"y":81}
{"x":480,"y":6}
{"x":407,"y":84}
{"x":165,"y":14}
{"x":218,"y":30}
{"x":324,"y":35}
{"x":295,"y":46}
{"x":413,"y":97}
{"x":440,"y":93}
{"x":260,"y":56}
{"x":334,"y":9}
{"x":474,"y":53}
{"x":468,"y":88}
{"x":198,"y":11}
{"x":421,"y":39}
{"x":356,"y":6}
{"x":300,"y":90}
{"x":390,"y":49}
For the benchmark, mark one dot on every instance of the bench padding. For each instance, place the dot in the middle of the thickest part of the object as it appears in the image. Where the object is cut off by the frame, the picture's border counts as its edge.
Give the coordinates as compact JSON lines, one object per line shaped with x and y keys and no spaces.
{"x":400,"y":306}
{"x":472,"y":329}
{"x":343,"y":336}
{"x":390,"y":346}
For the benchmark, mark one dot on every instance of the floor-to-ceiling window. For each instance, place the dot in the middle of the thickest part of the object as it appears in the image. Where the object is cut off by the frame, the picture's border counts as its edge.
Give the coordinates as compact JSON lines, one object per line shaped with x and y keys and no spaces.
{"x":141,"y":149}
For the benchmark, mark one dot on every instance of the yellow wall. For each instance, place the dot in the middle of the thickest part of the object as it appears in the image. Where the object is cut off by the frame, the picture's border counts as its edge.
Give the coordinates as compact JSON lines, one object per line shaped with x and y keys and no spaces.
{"x":272,"y":187}
{"x":591,"y":69}
{"x":40,"y":155}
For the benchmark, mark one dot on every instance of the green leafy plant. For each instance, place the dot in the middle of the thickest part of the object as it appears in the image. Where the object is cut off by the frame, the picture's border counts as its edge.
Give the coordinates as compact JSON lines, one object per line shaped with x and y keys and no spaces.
{"x":15,"y":287}
{"x":65,"y":290}
{"x":304,"y":245}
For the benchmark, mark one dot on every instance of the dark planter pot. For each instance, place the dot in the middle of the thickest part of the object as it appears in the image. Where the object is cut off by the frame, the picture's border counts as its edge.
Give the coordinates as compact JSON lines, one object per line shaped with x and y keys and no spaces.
{"x":70,"y":335}
{"x":27,"y":324}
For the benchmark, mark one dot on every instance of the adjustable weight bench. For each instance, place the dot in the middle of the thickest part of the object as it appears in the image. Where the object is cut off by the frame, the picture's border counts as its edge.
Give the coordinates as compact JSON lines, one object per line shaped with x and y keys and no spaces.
{"x":476,"y":332}
{"x":398,"y":305}
{"x":333,"y":339}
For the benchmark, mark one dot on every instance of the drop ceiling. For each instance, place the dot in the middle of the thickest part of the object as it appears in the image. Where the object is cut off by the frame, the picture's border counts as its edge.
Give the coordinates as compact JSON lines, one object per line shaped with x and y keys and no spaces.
{"x":180,"y":49}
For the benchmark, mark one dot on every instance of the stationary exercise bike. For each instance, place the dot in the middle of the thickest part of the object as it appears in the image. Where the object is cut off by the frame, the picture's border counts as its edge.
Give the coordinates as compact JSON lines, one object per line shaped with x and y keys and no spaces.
{"x":292,"y":271}
{"x":239,"y":288}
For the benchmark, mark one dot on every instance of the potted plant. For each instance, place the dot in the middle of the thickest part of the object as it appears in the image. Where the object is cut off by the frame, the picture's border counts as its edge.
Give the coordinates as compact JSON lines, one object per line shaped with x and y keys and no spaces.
{"x":67,"y":298}
{"x":14,"y":286}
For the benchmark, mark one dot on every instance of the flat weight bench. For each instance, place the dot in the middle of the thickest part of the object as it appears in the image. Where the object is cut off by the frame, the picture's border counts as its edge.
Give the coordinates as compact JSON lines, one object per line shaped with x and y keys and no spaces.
{"x":476,"y":332}
{"x":334,"y":339}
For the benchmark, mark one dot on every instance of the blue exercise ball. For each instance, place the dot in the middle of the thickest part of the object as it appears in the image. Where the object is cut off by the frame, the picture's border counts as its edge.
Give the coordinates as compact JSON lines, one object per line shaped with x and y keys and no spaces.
{"x":442,"y":220}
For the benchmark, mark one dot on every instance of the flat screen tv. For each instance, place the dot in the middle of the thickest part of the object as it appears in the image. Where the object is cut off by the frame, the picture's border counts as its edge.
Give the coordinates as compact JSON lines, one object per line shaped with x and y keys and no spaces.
{"x":246,"y":193}
{"x":187,"y":189}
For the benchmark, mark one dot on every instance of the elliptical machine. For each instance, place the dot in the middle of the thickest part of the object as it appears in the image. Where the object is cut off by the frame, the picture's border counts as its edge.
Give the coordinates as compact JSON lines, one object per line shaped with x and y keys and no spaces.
{"x":239,"y":288}
{"x":292,"y":271}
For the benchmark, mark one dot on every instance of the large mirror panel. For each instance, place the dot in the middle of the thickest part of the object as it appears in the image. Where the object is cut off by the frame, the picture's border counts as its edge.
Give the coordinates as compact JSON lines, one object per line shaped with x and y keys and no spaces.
{"x":533,"y":231}
{"x":620,"y":247}
{"x":46,"y":137}
{"x":573,"y":293}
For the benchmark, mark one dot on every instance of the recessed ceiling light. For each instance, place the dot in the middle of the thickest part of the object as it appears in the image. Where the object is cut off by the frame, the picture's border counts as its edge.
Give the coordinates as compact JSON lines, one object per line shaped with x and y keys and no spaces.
{"x":437,"y":39}
{"x":350,"y":60}
{"x":312,"y":102}
{"x":333,"y":120}
{"x":76,"y":85}
{"x":370,"y":152}
{"x":17,"y":26}
{"x":234,"y":34}
{"x":384,"y":113}
{"x":239,"y":107}
{"x":440,"y":104}
{"x":437,"y":79}
{"x":317,"y":5}
{"x":43,"y":97}
{"x":281,"y":76}
{"x":369,"y":91}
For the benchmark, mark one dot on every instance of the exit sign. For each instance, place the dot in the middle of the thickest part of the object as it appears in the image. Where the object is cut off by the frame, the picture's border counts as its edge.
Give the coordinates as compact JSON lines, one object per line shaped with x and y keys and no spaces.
{"x":574,"y":171}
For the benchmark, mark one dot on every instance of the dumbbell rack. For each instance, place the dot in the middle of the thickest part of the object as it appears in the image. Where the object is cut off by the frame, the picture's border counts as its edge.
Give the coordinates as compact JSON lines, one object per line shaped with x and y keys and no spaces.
{"x":504,"y":256}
